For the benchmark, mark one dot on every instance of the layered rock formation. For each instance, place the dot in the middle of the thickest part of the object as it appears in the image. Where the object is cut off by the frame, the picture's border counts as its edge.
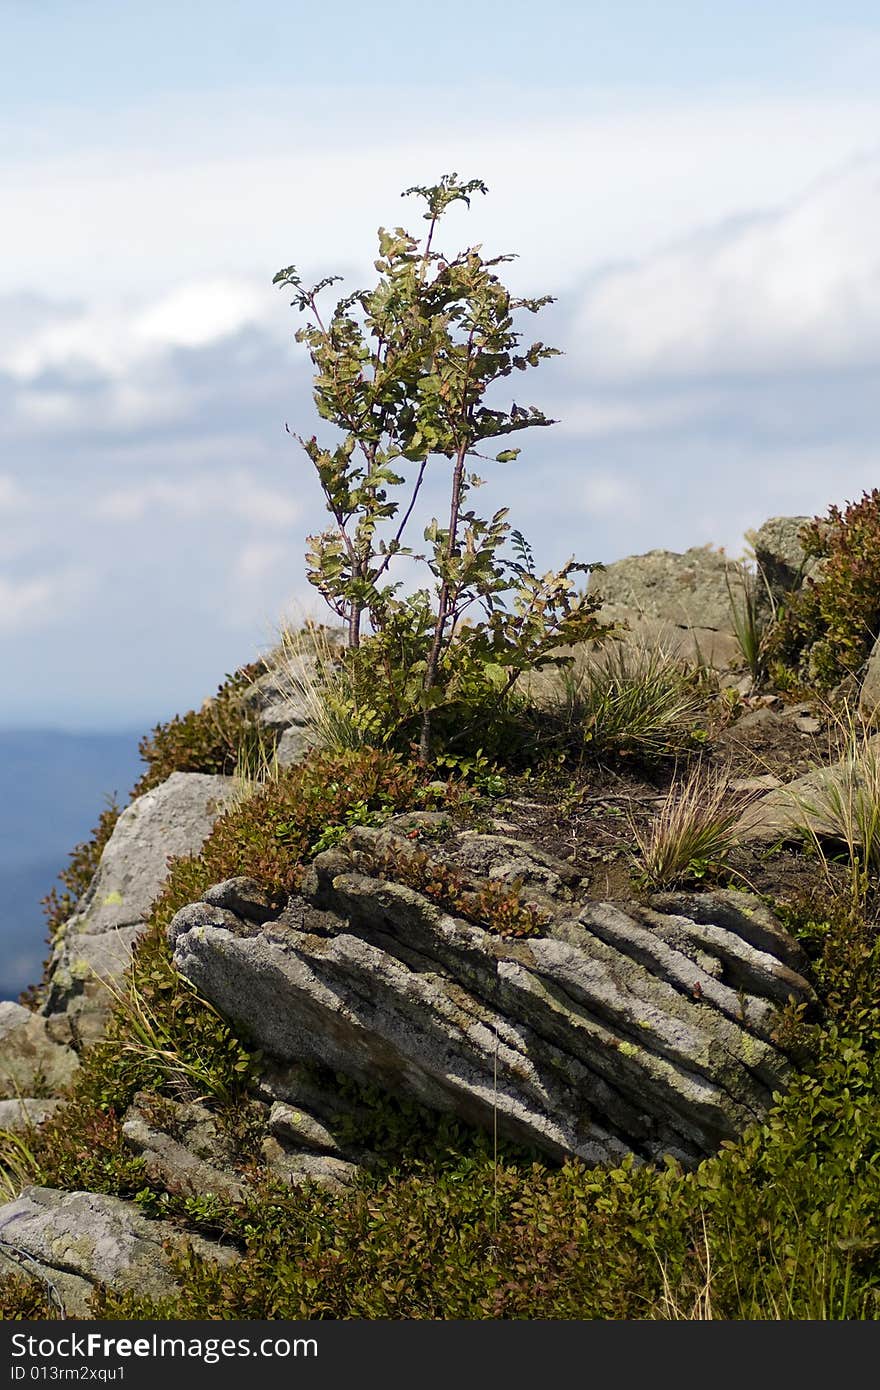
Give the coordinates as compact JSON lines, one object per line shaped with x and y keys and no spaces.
{"x":620,"y":1028}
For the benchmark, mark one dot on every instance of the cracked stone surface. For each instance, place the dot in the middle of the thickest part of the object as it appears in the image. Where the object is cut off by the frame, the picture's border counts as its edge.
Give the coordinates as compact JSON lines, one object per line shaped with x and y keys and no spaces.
{"x":77,"y":1240}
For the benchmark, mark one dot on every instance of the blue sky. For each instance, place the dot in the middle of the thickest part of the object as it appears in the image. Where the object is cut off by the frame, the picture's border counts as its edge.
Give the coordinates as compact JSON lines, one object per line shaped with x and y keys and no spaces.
{"x":698,"y":184}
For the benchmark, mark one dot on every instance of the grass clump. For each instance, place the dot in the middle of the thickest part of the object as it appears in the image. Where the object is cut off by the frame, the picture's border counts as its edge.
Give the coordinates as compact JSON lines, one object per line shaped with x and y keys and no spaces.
{"x":694,"y":830}
{"x":828,"y":626}
{"x":751,"y":623}
{"x":635,"y":702}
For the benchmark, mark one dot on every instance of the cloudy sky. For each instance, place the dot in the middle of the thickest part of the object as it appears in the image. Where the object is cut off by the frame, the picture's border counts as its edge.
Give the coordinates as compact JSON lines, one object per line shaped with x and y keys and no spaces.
{"x":698,"y":184}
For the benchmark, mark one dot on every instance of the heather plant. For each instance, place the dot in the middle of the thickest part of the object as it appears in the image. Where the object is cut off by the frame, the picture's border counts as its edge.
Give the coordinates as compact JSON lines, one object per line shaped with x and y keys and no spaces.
{"x":403,"y":371}
{"x":829,"y":626}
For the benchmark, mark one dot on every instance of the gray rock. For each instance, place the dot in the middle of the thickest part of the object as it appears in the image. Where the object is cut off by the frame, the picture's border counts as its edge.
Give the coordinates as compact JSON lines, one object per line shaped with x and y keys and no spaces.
{"x":172,"y":820}
{"x":279,"y":697}
{"x":77,"y":1240}
{"x":175,"y":1162}
{"x":869,"y":695}
{"x":295,"y":742}
{"x":806,"y":805}
{"x":18,"y":1116}
{"x":95,"y":946}
{"x":621,"y":1029}
{"x":684,"y":590}
{"x":780,"y":554}
{"x":297,"y":1126}
{"x":245,"y":897}
{"x":30,"y":1059}
{"x":203,"y":914}
{"x":298,"y":1168}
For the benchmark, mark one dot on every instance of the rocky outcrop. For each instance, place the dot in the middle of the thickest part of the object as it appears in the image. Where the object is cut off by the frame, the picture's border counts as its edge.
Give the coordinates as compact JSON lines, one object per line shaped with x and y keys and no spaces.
{"x":31,"y":1061}
{"x":96,"y":943}
{"x":277,"y":697}
{"x":680,"y":601}
{"x":780,"y":554}
{"x":621,"y":1027}
{"x":74,"y":1241}
{"x":807,"y":805}
{"x":182,"y":1148}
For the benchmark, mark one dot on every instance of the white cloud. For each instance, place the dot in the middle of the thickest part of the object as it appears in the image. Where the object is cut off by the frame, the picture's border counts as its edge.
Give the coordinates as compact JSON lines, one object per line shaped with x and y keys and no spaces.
{"x":226,"y":494}
{"x":195,"y":315}
{"x":594,"y":417}
{"x":604,"y":494}
{"x":571,"y":181}
{"x":795,"y":289}
{"x":41,"y":600}
{"x":113,"y":337}
{"x":259,"y":561}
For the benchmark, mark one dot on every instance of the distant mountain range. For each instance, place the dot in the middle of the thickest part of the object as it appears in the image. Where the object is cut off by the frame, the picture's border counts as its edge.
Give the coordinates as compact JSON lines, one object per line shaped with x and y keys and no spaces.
{"x":53,"y":787}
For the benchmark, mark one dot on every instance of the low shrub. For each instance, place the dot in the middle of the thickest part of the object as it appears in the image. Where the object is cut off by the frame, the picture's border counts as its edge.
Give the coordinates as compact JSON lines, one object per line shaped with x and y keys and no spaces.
{"x":496,"y":907}
{"x":25,"y":1300}
{"x":828,"y":627}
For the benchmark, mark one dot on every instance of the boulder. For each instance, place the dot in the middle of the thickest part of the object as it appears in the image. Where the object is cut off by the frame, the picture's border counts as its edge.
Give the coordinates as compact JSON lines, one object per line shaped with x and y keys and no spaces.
{"x":96,"y":943}
{"x":279,"y":698}
{"x":297,"y":1126}
{"x":30,"y":1059}
{"x":782,"y":560}
{"x":805,"y":805}
{"x":620,"y":1028}
{"x":293,"y":745}
{"x":298,"y":1168}
{"x":19,"y":1115}
{"x":194,"y":1161}
{"x":678,"y":601}
{"x":74,"y":1241}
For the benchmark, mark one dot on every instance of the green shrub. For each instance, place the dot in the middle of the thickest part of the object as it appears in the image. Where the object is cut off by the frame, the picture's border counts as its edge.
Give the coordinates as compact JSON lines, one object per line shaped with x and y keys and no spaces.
{"x":828,"y":627}
{"x":372,"y":698}
{"x":402,"y":371}
{"x":25,"y":1300}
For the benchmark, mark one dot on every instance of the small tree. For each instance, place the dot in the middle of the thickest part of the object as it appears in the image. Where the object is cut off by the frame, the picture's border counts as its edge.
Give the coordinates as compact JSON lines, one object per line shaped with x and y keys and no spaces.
{"x":403,"y":371}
